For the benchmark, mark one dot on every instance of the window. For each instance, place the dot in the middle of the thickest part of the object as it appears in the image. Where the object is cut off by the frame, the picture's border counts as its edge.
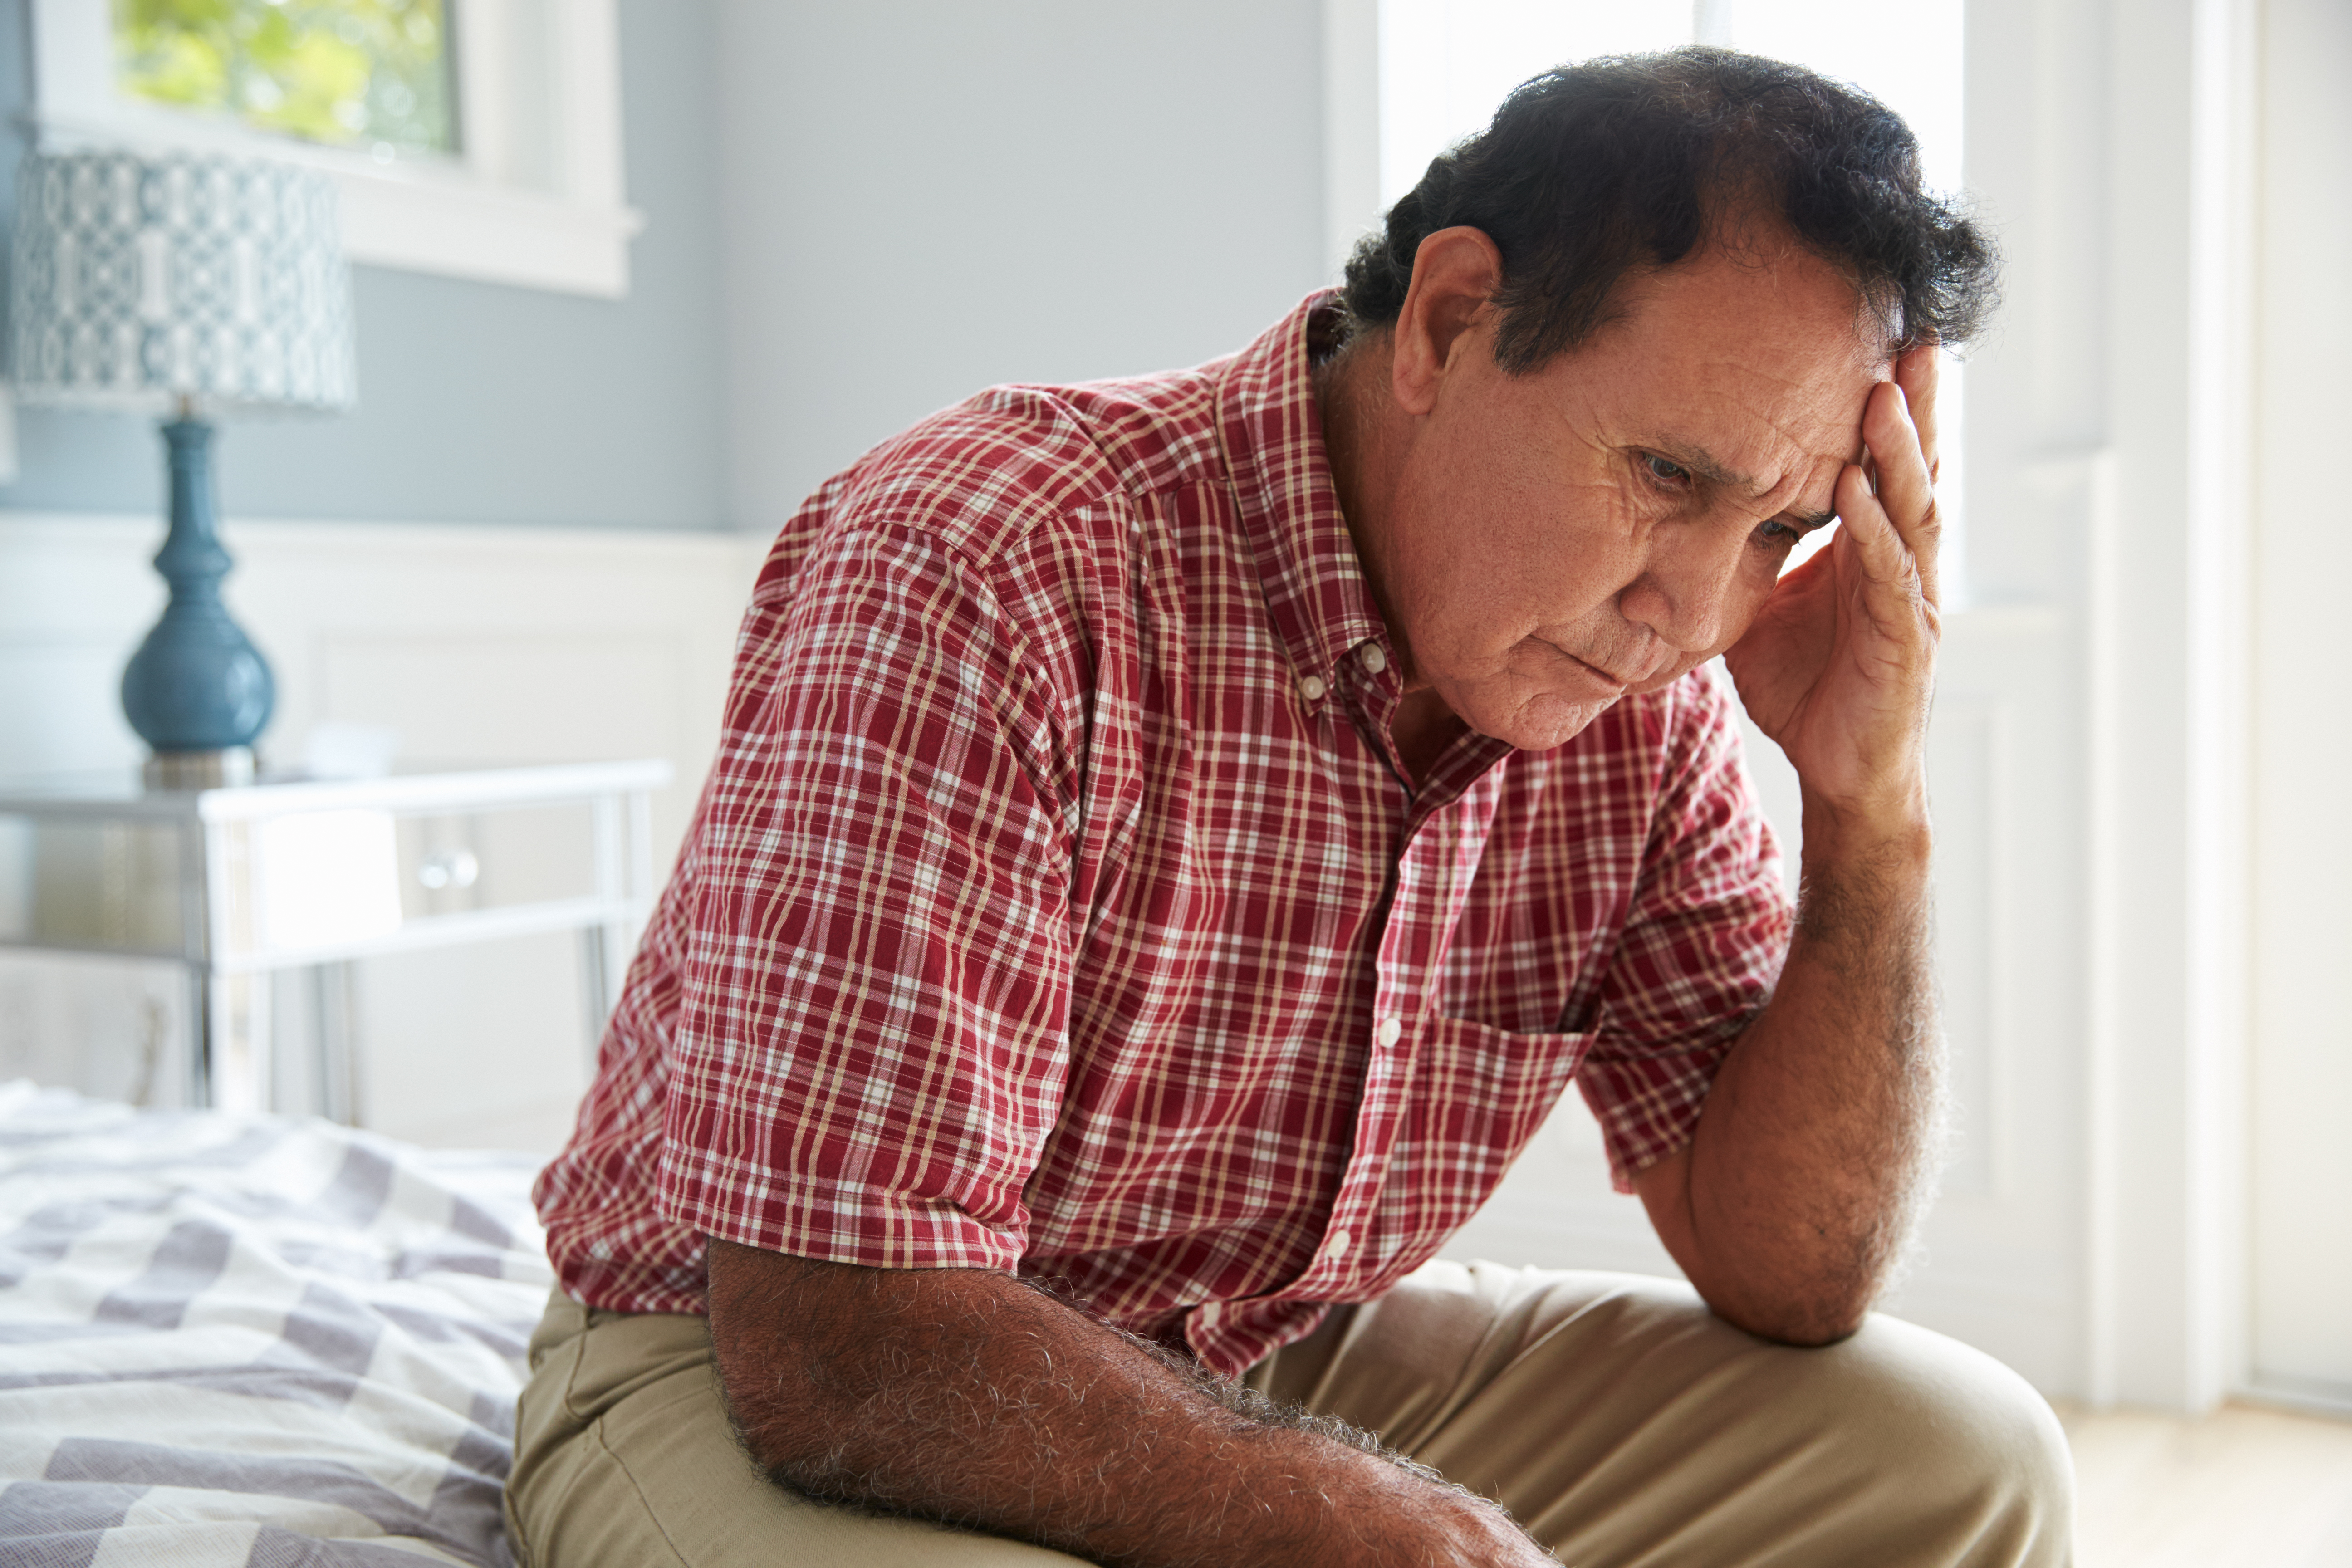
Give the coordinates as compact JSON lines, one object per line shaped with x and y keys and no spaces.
{"x":474,"y":138}
{"x":1446,"y":64}
{"x":345,"y":73}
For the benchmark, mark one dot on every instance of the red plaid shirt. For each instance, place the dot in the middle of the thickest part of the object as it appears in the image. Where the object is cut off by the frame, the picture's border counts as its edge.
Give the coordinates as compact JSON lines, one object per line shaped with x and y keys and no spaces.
{"x":1058,"y":903}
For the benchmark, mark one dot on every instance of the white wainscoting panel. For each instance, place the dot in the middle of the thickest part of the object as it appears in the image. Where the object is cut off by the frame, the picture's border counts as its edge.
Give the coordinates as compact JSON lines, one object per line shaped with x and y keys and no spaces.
{"x":2000,"y":1263}
{"x":479,"y":646}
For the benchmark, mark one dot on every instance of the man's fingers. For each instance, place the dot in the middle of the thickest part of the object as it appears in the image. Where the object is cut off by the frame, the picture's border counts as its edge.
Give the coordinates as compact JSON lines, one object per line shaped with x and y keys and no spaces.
{"x":1905,"y":493}
{"x":1888,"y":561}
{"x":1918,"y":374}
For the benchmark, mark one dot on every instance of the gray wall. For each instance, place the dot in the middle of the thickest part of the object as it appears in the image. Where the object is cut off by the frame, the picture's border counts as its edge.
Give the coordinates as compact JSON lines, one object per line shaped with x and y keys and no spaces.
{"x":856,"y":213}
{"x":479,"y":402}
{"x":926,"y":197}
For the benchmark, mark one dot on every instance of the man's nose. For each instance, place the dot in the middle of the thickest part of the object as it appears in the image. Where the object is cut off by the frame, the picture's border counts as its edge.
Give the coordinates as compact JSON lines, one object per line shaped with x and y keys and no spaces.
{"x":1685,"y":592}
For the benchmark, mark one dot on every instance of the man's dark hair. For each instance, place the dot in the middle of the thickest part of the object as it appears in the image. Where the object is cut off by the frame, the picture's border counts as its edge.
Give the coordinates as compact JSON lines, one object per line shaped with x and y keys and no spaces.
{"x":1627,"y":164}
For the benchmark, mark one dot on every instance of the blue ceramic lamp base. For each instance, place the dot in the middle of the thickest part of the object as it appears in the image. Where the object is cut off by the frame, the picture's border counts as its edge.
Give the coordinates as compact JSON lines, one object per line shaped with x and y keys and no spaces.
{"x":198,"y":691}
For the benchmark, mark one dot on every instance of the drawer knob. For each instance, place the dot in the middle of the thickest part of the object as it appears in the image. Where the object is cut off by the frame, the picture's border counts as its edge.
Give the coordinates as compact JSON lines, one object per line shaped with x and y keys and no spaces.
{"x":448,"y":869}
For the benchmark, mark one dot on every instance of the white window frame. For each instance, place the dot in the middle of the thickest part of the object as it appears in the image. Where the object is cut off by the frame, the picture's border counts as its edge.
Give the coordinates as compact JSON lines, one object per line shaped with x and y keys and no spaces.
{"x":534,"y":198}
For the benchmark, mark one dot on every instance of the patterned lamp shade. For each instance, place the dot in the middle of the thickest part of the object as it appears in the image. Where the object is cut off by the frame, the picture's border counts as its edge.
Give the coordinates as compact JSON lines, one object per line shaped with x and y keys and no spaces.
{"x":140,"y":280}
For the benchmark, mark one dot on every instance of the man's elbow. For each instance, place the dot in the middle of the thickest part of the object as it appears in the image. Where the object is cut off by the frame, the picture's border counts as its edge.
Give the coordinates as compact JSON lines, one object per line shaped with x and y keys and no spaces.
{"x":1807,"y":1314}
{"x":1807,"y":1328}
{"x":780,"y":1371}
{"x":794,"y":1444}
{"x":1769,"y":1283}
{"x":774,"y":1426}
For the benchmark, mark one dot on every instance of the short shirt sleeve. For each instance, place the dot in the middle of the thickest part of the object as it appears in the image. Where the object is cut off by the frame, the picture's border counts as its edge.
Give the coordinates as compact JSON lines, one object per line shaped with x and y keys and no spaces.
{"x":872,"y":1039}
{"x":1702,"y":946}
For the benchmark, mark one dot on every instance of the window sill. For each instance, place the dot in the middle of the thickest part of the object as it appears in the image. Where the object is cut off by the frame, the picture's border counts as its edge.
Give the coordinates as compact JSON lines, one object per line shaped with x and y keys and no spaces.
{"x":489,"y":234}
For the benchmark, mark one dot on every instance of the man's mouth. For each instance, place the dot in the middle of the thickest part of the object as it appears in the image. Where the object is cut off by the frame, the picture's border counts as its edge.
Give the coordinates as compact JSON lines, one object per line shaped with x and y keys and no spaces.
{"x":1610,"y":676}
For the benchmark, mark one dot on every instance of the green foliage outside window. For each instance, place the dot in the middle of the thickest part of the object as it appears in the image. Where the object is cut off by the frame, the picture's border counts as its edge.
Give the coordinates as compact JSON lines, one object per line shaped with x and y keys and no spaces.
{"x":345,"y":72}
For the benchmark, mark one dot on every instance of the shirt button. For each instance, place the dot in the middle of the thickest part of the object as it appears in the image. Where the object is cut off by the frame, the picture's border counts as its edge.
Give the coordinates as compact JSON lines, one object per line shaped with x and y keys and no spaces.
{"x":1336,"y":1246}
{"x":1374,"y":658}
{"x":1312,"y":687}
{"x":1391,"y":1031}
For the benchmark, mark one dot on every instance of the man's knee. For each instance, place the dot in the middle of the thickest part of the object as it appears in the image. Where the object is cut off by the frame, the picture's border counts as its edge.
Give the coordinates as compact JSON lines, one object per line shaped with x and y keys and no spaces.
{"x":1626,"y":1423}
{"x":1959,"y":1432}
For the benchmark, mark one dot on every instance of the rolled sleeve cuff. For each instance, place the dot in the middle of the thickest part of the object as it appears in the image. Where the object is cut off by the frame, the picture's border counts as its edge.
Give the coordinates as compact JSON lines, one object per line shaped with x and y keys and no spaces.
{"x":1648,"y":1107}
{"x":832,"y":1222}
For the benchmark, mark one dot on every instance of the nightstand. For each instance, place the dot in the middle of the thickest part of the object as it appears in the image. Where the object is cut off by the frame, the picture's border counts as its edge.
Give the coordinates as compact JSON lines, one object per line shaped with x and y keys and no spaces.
{"x":237,"y":884}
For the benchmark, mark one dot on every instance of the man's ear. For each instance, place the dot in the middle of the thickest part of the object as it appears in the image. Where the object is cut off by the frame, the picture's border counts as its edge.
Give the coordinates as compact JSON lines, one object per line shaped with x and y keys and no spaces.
{"x":1456,"y":272}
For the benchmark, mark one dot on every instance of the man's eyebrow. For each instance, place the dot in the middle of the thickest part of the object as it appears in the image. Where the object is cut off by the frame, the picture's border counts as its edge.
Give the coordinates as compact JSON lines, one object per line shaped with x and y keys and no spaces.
{"x":1701,"y":462}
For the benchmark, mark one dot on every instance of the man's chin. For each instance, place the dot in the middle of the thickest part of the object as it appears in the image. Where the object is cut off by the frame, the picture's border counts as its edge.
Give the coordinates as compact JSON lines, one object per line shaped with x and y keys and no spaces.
{"x":1543,"y":723}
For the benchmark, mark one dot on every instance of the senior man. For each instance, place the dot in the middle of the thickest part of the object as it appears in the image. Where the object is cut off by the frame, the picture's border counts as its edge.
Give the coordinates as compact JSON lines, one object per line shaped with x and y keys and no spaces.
{"x":1174,"y":840}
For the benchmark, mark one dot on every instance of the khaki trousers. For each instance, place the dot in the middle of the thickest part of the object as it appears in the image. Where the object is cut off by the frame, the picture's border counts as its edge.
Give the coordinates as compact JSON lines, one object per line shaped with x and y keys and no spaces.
{"x":1617,"y":1419}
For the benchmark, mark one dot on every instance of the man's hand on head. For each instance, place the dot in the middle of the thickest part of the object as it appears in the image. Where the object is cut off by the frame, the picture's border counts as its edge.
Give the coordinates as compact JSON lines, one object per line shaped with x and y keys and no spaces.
{"x":1839,"y":667}
{"x":1817,"y":1145}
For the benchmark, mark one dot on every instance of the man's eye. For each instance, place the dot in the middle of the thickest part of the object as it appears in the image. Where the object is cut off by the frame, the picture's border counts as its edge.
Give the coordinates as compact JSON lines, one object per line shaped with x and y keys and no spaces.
{"x":1773,"y":532}
{"x":1665,"y":472}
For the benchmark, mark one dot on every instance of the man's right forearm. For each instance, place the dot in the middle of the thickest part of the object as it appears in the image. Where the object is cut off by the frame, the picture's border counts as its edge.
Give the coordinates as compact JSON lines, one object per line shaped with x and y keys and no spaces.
{"x":967,"y":1397}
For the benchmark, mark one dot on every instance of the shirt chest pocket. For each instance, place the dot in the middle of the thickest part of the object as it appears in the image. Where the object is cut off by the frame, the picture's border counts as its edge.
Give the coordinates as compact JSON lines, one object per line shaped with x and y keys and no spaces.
{"x":1475,"y":1095}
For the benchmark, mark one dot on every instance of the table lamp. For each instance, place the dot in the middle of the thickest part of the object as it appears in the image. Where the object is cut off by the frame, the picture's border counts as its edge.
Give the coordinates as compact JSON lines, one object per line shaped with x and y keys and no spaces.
{"x":191,"y":284}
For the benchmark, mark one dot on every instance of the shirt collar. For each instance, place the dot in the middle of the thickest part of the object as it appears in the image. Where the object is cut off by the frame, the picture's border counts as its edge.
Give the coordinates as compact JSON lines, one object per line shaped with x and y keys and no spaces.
{"x":1272,"y":435}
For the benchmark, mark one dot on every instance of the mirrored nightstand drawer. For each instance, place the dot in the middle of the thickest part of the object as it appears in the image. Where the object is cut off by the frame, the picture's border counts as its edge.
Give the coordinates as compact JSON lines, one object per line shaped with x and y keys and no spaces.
{"x":235,"y":883}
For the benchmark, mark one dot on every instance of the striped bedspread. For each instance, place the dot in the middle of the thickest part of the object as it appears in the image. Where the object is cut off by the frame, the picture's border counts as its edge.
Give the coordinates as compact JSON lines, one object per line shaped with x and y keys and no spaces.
{"x":244,"y":1340}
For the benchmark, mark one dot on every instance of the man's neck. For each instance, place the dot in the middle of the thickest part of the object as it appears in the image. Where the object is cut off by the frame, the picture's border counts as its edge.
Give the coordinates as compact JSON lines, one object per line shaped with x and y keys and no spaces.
{"x":1351,"y":392}
{"x":1363,"y":447}
{"x":1424,"y":728}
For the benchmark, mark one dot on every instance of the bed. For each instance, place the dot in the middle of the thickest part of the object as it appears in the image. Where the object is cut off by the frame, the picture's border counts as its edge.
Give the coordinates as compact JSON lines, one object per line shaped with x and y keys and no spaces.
{"x":253,"y":1339}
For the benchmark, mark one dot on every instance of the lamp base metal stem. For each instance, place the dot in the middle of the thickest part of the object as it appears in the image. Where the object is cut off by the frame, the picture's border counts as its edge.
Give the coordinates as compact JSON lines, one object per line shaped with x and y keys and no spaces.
{"x":223,"y":769}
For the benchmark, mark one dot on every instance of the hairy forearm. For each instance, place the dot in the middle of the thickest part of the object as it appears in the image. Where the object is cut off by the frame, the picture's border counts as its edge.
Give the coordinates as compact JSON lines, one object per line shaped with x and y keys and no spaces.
{"x":1821,"y":1135}
{"x":971,"y":1399}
